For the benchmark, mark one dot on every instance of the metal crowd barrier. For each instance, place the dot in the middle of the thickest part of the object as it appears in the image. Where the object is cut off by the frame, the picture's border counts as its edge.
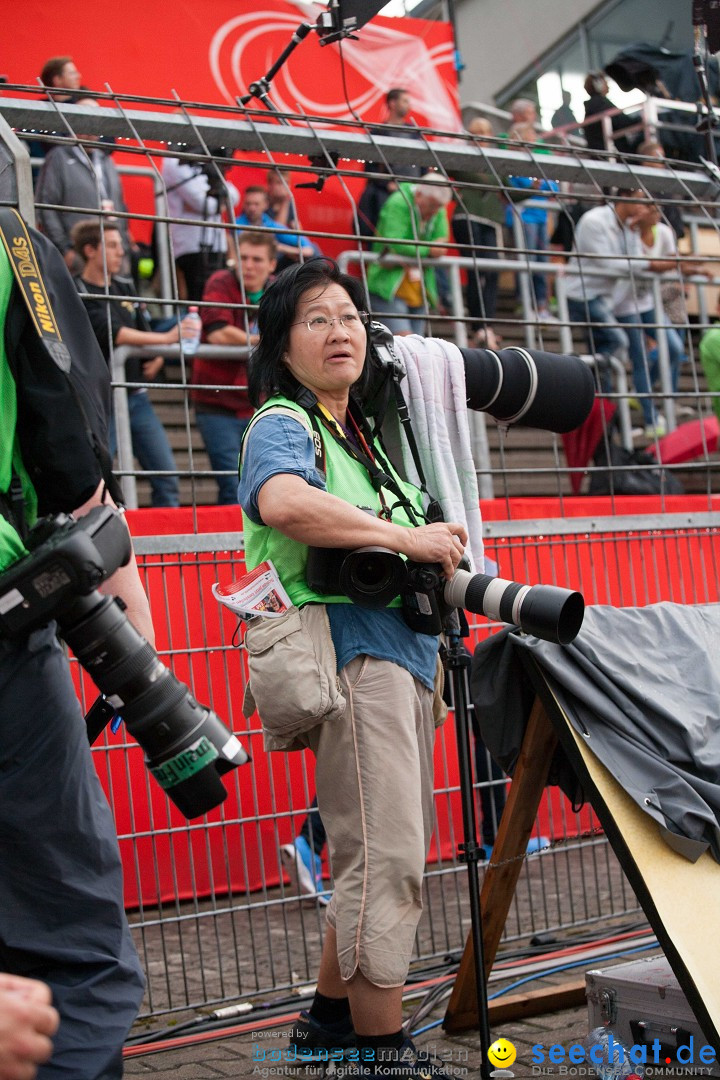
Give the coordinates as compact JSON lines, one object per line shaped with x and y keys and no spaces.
{"x":140,"y":130}
{"x":215,"y":918}
{"x":478,"y":430}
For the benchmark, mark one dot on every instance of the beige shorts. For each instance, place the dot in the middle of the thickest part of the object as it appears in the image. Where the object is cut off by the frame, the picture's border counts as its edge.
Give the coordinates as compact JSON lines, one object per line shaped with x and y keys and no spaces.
{"x":374,"y":782}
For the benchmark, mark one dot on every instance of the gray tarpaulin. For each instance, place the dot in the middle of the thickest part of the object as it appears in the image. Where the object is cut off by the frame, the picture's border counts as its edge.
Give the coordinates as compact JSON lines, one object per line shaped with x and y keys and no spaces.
{"x":642,"y":688}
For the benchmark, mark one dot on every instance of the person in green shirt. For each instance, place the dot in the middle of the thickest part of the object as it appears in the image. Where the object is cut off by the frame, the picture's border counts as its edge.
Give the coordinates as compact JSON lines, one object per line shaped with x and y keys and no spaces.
{"x":710,"y":360}
{"x":413,"y":218}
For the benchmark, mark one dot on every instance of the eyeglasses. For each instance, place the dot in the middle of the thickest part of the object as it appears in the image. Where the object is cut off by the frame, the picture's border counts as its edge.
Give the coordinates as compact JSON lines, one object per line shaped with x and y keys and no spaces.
{"x":320,"y":324}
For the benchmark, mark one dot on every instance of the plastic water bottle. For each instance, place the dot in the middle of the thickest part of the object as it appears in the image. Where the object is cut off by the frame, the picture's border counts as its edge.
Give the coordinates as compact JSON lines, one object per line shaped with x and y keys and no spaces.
{"x":611,"y":1050}
{"x":190,"y":331}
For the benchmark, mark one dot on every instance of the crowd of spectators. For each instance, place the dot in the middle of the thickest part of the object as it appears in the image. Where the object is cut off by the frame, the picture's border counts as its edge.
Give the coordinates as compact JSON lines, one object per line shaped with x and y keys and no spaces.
{"x":227,"y":242}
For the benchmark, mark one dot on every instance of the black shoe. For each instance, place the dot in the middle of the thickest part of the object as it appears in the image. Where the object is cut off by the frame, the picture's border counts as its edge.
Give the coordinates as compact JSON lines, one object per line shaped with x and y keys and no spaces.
{"x":308,"y":1037}
{"x":407,"y":1063}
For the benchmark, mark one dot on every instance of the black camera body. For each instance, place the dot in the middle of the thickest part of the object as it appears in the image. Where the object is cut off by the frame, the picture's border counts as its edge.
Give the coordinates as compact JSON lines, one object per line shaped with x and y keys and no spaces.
{"x":187,"y":748}
{"x":214,"y":170}
{"x":68,"y":558}
{"x":372,"y":577}
{"x":424,"y":607}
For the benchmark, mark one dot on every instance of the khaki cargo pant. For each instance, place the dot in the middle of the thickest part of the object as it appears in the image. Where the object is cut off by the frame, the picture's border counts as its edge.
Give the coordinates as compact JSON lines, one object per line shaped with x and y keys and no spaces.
{"x":374,"y":782}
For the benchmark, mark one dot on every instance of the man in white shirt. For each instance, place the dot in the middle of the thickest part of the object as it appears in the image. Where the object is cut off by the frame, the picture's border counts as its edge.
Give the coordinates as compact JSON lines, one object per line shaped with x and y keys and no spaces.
{"x":199,"y":246}
{"x":602,"y":273}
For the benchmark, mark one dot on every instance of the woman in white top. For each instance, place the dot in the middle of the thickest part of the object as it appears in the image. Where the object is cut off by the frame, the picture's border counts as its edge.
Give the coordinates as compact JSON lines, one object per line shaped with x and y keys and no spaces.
{"x":634,"y":307}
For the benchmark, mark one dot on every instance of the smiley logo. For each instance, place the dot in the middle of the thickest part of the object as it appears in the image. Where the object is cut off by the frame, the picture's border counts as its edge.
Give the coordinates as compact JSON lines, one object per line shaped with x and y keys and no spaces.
{"x":502,"y":1053}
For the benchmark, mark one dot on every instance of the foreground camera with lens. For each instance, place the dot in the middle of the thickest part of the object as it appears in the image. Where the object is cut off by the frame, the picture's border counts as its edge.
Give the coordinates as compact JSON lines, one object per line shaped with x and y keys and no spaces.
{"x":372,"y":577}
{"x":187,"y":748}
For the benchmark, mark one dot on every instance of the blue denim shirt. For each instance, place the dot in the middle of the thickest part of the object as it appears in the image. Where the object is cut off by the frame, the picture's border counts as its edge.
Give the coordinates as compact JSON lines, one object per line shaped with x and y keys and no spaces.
{"x":278,"y":444}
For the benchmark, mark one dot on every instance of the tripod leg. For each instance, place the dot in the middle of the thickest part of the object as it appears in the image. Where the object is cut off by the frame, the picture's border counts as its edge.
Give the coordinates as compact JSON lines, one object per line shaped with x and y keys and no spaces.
{"x":526,"y":790}
{"x":470,"y":850}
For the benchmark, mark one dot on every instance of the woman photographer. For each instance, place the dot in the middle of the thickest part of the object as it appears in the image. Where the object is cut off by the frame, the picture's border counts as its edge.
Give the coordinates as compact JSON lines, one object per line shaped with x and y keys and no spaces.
{"x":306,"y":482}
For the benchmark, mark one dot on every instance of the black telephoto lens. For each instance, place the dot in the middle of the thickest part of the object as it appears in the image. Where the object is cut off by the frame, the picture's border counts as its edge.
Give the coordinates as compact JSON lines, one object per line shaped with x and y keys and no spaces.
{"x":186,"y":746}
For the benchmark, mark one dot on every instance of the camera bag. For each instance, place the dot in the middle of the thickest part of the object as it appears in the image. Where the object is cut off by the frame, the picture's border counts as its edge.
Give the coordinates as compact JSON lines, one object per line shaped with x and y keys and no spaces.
{"x":299,"y":642}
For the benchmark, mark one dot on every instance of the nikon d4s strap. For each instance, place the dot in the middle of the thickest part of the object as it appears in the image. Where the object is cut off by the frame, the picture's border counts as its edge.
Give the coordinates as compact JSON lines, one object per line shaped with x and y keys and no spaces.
{"x":48,"y":397}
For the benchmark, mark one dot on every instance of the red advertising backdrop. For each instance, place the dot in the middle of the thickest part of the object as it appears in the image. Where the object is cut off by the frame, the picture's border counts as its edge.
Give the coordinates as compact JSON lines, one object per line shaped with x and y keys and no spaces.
{"x":212,"y":52}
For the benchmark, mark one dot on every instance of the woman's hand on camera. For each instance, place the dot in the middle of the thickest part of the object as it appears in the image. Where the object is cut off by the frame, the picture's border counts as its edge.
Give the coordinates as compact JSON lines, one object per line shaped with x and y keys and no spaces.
{"x":442,"y":542}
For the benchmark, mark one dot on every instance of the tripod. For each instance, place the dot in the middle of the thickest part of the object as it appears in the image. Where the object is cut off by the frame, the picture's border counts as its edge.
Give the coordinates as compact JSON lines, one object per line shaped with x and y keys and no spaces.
{"x":457,"y":661}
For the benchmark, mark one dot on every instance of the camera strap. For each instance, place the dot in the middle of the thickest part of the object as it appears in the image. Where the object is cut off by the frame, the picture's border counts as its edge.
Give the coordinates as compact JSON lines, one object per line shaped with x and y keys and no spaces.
{"x":434,"y":510}
{"x":379,"y":477}
{"x":383,"y":350}
{"x":18,"y":244}
{"x":21,"y":254}
{"x":12,"y":506}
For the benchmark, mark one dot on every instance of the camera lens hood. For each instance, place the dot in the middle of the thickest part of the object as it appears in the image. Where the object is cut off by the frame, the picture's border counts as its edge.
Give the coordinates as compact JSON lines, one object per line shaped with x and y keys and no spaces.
{"x":372,"y":576}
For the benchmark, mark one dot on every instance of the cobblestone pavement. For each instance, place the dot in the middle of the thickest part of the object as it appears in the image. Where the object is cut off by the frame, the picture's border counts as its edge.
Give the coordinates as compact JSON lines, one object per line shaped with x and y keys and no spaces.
{"x":187,"y":969}
{"x":239,"y":1056}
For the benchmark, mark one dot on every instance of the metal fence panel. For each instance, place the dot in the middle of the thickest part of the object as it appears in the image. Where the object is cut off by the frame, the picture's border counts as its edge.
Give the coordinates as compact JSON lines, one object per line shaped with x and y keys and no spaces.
{"x":214,"y":915}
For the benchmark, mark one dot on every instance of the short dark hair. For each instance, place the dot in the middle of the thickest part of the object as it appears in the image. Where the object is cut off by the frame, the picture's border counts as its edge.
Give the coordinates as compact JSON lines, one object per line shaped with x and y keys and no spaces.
{"x":259,"y":239}
{"x":52,"y":67}
{"x":90,"y":232}
{"x":394,"y":93}
{"x":594,"y":83}
{"x":255,"y":189}
{"x":267,"y":372}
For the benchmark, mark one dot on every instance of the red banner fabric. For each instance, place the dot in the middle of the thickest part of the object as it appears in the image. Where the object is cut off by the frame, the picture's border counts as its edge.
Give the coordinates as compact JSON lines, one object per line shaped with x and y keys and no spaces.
{"x":212,"y":52}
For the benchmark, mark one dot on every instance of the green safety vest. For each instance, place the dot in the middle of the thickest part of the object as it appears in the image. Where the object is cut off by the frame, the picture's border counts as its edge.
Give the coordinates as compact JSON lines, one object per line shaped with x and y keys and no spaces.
{"x":347,"y":479}
{"x":11,"y":546}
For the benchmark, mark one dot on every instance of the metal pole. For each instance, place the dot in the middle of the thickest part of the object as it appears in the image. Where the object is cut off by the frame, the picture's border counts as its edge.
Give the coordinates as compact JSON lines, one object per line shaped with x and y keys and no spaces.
{"x":623,"y":407}
{"x":566,"y":341}
{"x":122,"y":427}
{"x":524,"y":284}
{"x":481,"y":453}
{"x":162,"y":248}
{"x":663,"y":356}
{"x":458,"y":305}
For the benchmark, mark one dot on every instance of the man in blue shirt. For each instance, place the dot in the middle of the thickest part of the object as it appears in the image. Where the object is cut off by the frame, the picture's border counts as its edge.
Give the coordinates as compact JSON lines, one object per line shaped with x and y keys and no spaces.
{"x":534,"y":221}
{"x":255,"y":215}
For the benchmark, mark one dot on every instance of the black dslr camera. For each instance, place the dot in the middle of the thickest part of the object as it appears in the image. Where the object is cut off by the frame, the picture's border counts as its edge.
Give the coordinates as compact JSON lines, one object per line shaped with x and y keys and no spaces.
{"x":187,"y":748}
{"x":372,"y":577}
